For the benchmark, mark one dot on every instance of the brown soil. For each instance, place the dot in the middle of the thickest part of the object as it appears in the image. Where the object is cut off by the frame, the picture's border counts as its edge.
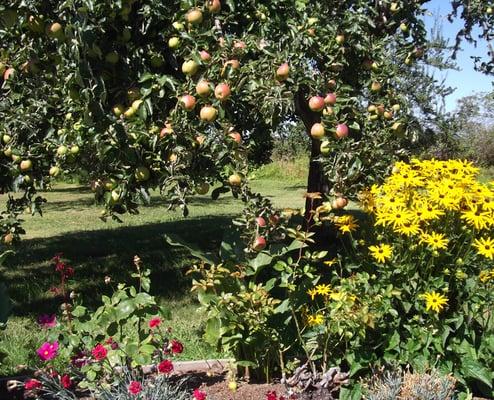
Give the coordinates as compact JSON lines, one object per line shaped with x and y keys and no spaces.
{"x":245,"y":391}
{"x":216,"y":387}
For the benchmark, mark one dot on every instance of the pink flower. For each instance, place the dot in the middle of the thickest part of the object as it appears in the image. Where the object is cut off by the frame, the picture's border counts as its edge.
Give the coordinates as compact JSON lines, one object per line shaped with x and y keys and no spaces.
{"x":31,"y":384}
{"x":99,"y":352}
{"x":47,"y":321}
{"x":66,"y":381}
{"x":165,"y":367}
{"x":134,"y":387}
{"x":48,"y":351}
{"x":176,"y":347}
{"x":154,"y":322}
{"x":199,"y":395}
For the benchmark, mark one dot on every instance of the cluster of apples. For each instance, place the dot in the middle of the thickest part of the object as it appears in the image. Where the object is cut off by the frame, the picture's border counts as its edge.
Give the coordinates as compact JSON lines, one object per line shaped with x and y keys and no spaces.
{"x":318,"y":130}
{"x":204,"y":88}
{"x":260,"y":242}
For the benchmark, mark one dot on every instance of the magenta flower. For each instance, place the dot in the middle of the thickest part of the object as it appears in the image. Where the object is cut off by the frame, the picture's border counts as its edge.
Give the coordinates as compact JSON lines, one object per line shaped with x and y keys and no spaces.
{"x":48,"y":351}
{"x":134,"y":388}
{"x":32,"y":384}
{"x":66,"y":381}
{"x":154,"y":322}
{"x":99,"y":352}
{"x":176,"y":347}
{"x":165,"y":367}
{"x":199,"y":395}
{"x":47,"y":321}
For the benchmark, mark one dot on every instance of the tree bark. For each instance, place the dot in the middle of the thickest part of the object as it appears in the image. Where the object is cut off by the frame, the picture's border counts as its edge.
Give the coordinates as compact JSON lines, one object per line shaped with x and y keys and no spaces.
{"x":316,"y":181}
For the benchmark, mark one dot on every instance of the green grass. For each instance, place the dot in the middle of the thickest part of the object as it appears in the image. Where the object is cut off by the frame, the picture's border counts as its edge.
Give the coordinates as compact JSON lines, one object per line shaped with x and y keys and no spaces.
{"x":95,"y":249}
{"x":290,"y":171}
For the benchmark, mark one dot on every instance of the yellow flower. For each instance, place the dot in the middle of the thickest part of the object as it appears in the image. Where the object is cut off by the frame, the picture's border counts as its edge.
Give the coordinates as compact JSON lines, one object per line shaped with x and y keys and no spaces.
{"x":316,"y":319}
{"x":429,"y":212}
{"x":408,"y":229}
{"x":399,"y":217}
{"x":323,"y":289}
{"x":312,"y":293}
{"x":477,"y":218}
{"x":434,"y":301}
{"x":406,"y":177}
{"x":381,"y":253}
{"x":435,"y":240}
{"x":331,"y":262}
{"x":346,"y":223}
{"x":485,"y":247}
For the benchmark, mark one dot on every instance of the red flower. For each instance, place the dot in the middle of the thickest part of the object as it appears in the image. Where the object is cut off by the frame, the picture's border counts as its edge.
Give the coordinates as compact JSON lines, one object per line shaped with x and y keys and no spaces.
{"x":199,"y":395}
{"x":134,"y":387}
{"x":66,"y":381}
{"x":99,"y":352}
{"x":31,"y":384}
{"x":154,"y":322}
{"x":165,"y":367}
{"x":176,"y":347}
{"x":271,"y":395}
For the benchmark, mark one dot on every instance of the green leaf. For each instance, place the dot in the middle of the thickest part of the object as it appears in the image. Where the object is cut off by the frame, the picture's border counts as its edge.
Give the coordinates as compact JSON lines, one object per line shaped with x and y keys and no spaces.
{"x":471,"y":368}
{"x":261,"y":260}
{"x":352,"y":393}
{"x":212,"y":331}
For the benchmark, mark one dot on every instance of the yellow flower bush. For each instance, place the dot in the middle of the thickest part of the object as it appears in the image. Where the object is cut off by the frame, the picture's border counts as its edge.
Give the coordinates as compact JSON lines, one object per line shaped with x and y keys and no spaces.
{"x":431,"y":202}
{"x":414,"y":278}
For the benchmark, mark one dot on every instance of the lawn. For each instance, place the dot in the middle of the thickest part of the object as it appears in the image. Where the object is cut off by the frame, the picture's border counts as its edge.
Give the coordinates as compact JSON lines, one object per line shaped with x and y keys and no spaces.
{"x":95,"y":249}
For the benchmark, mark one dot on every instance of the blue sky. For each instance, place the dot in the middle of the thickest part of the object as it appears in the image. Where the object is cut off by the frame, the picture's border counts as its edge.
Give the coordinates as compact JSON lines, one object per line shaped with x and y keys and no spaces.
{"x":466,"y":80}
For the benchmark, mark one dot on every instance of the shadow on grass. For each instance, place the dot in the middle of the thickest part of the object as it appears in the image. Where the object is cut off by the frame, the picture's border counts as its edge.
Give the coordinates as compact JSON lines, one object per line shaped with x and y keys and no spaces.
{"x":95,"y":254}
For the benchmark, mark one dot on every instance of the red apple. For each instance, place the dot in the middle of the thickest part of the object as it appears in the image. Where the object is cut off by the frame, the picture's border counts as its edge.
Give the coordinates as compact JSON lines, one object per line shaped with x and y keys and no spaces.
{"x":339,"y":203}
{"x":9,"y":72}
{"x":330,"y":99}
{"x":222,"y":91}
{"x":203,"y":88}
{"x":332,"y":84}
{"x":316,"y":103}
{"x":208,"y":113}
{"x":232,"y":63}
{"x":282,"y":72}
{"x":260,"y":221}
{"x":237,"y":137}
{"x":259,"y":244}
{"x":317,"y":131}
{"x":342,"y":131}
{"x":188,"y":102}
{"x":167,"y":130}
{"x":204,"y":55}
{"x":214,"y":6}
{"x":239,"y":45}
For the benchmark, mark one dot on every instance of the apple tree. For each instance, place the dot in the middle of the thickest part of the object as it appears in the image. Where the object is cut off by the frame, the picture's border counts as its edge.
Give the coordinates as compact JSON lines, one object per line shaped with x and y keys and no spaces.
{"x":173,"y":96}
